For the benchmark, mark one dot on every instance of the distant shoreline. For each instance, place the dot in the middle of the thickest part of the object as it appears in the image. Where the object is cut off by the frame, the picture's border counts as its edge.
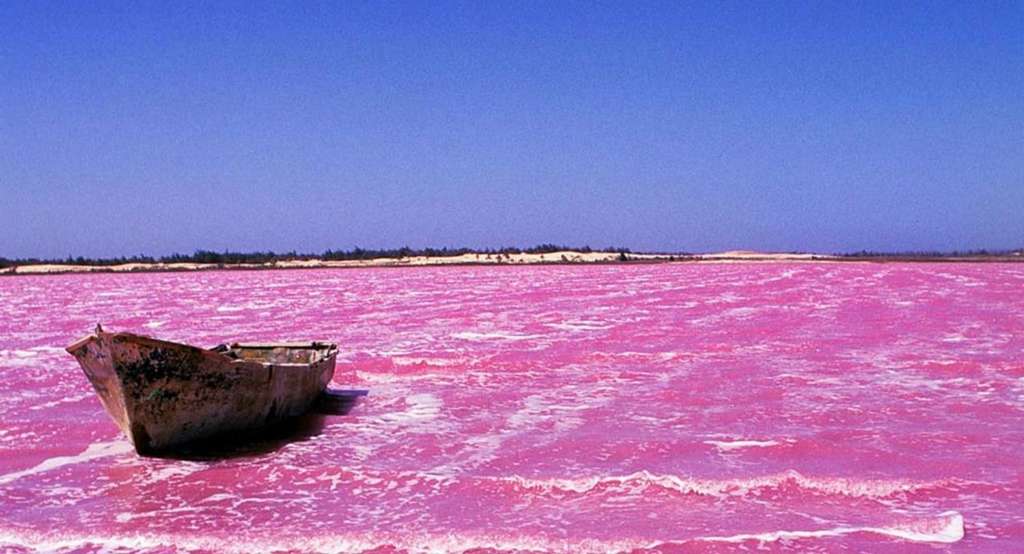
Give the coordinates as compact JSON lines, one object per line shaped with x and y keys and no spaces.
{"x":567,"y":257}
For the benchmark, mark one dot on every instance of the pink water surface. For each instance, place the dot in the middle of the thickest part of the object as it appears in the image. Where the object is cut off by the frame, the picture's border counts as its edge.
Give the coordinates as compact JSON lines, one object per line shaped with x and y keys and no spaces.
{"x":662,"y":408}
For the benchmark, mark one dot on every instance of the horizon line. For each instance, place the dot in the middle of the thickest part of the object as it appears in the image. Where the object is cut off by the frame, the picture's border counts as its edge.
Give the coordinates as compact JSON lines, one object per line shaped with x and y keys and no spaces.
{"x":201,"y":255}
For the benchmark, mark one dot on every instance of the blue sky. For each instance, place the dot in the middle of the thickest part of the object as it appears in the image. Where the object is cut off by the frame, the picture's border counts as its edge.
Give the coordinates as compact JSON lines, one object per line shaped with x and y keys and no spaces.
{"x":824,"y":126}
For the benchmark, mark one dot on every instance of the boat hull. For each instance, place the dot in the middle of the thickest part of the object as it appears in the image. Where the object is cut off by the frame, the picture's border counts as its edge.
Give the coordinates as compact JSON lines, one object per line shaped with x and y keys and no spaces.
{"x":164,"y":395}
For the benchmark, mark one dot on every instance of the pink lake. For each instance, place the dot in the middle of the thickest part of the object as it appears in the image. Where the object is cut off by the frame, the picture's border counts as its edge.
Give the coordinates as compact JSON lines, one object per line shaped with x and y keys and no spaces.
{"x":621,"y":408}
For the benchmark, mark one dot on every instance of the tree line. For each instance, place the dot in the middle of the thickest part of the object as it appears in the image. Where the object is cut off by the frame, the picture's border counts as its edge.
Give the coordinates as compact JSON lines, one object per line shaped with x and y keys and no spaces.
{"x":228,"y":257}
{"x":930,"y":254}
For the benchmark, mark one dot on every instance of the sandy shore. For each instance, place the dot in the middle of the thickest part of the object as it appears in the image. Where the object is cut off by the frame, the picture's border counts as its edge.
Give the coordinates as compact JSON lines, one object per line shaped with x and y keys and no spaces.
{"x":563,"y":257}
{"x":465,"y":259}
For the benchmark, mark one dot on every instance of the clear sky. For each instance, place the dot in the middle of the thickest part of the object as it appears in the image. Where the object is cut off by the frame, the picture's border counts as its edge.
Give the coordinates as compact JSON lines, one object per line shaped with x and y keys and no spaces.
{"x":825,"y":126}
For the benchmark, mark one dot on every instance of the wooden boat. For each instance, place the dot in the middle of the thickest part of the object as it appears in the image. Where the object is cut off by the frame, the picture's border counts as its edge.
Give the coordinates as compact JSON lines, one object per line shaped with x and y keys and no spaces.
{"x":164,"y":394}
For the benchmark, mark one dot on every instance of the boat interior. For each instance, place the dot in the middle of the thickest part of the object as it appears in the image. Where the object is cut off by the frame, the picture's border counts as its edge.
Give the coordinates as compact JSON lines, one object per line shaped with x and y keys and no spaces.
{"x":290,"y":353}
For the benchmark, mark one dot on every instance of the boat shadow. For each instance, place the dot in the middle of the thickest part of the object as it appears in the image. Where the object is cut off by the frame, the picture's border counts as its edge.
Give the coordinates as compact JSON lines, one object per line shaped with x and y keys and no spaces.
{"x":267,"y":439}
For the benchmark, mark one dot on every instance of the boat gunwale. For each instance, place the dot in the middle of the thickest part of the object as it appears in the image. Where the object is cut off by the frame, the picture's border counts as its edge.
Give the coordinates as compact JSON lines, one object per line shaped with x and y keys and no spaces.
{"x":78,"y":344}
{"x":322,"y":350}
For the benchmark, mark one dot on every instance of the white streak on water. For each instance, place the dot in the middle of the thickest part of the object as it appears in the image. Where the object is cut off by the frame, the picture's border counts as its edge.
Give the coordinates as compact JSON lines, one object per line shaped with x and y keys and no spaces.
{"x":947,"y":527}
{"x":733,"y":445}
{"x":421,"y":410}
{"x":950,"y":529}
{"x":469,"y":335}
{"x":95,"y":450}
{"x":640,"y":480}
{"x":69,"y":399}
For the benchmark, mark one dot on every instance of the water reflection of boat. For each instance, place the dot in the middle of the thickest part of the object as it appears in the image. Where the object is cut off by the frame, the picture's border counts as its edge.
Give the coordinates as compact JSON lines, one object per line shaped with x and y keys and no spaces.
{"x":164,"y":394}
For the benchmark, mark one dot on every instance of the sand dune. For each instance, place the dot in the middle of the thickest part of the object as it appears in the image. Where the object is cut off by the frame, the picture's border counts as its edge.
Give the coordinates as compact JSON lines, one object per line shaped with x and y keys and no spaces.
{"x":506,"y":259}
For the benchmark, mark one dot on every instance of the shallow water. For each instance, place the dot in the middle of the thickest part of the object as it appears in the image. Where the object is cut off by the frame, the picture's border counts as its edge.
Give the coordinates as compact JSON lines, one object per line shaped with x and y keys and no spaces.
{"x":665,"y":408}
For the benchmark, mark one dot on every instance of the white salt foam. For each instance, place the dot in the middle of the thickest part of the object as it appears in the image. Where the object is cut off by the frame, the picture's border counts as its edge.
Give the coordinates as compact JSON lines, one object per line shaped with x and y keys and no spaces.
{"x":733,"y":445}
{"x":468,"y":335}
{"x":95,"y":450}
{"x":948,"y":528}
{"x":723,"y":487}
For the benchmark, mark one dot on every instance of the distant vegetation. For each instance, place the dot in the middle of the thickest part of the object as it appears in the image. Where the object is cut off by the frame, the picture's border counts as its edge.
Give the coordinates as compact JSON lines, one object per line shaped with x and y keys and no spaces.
{"x":932,"y":254}
{"x":357,"y":253}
